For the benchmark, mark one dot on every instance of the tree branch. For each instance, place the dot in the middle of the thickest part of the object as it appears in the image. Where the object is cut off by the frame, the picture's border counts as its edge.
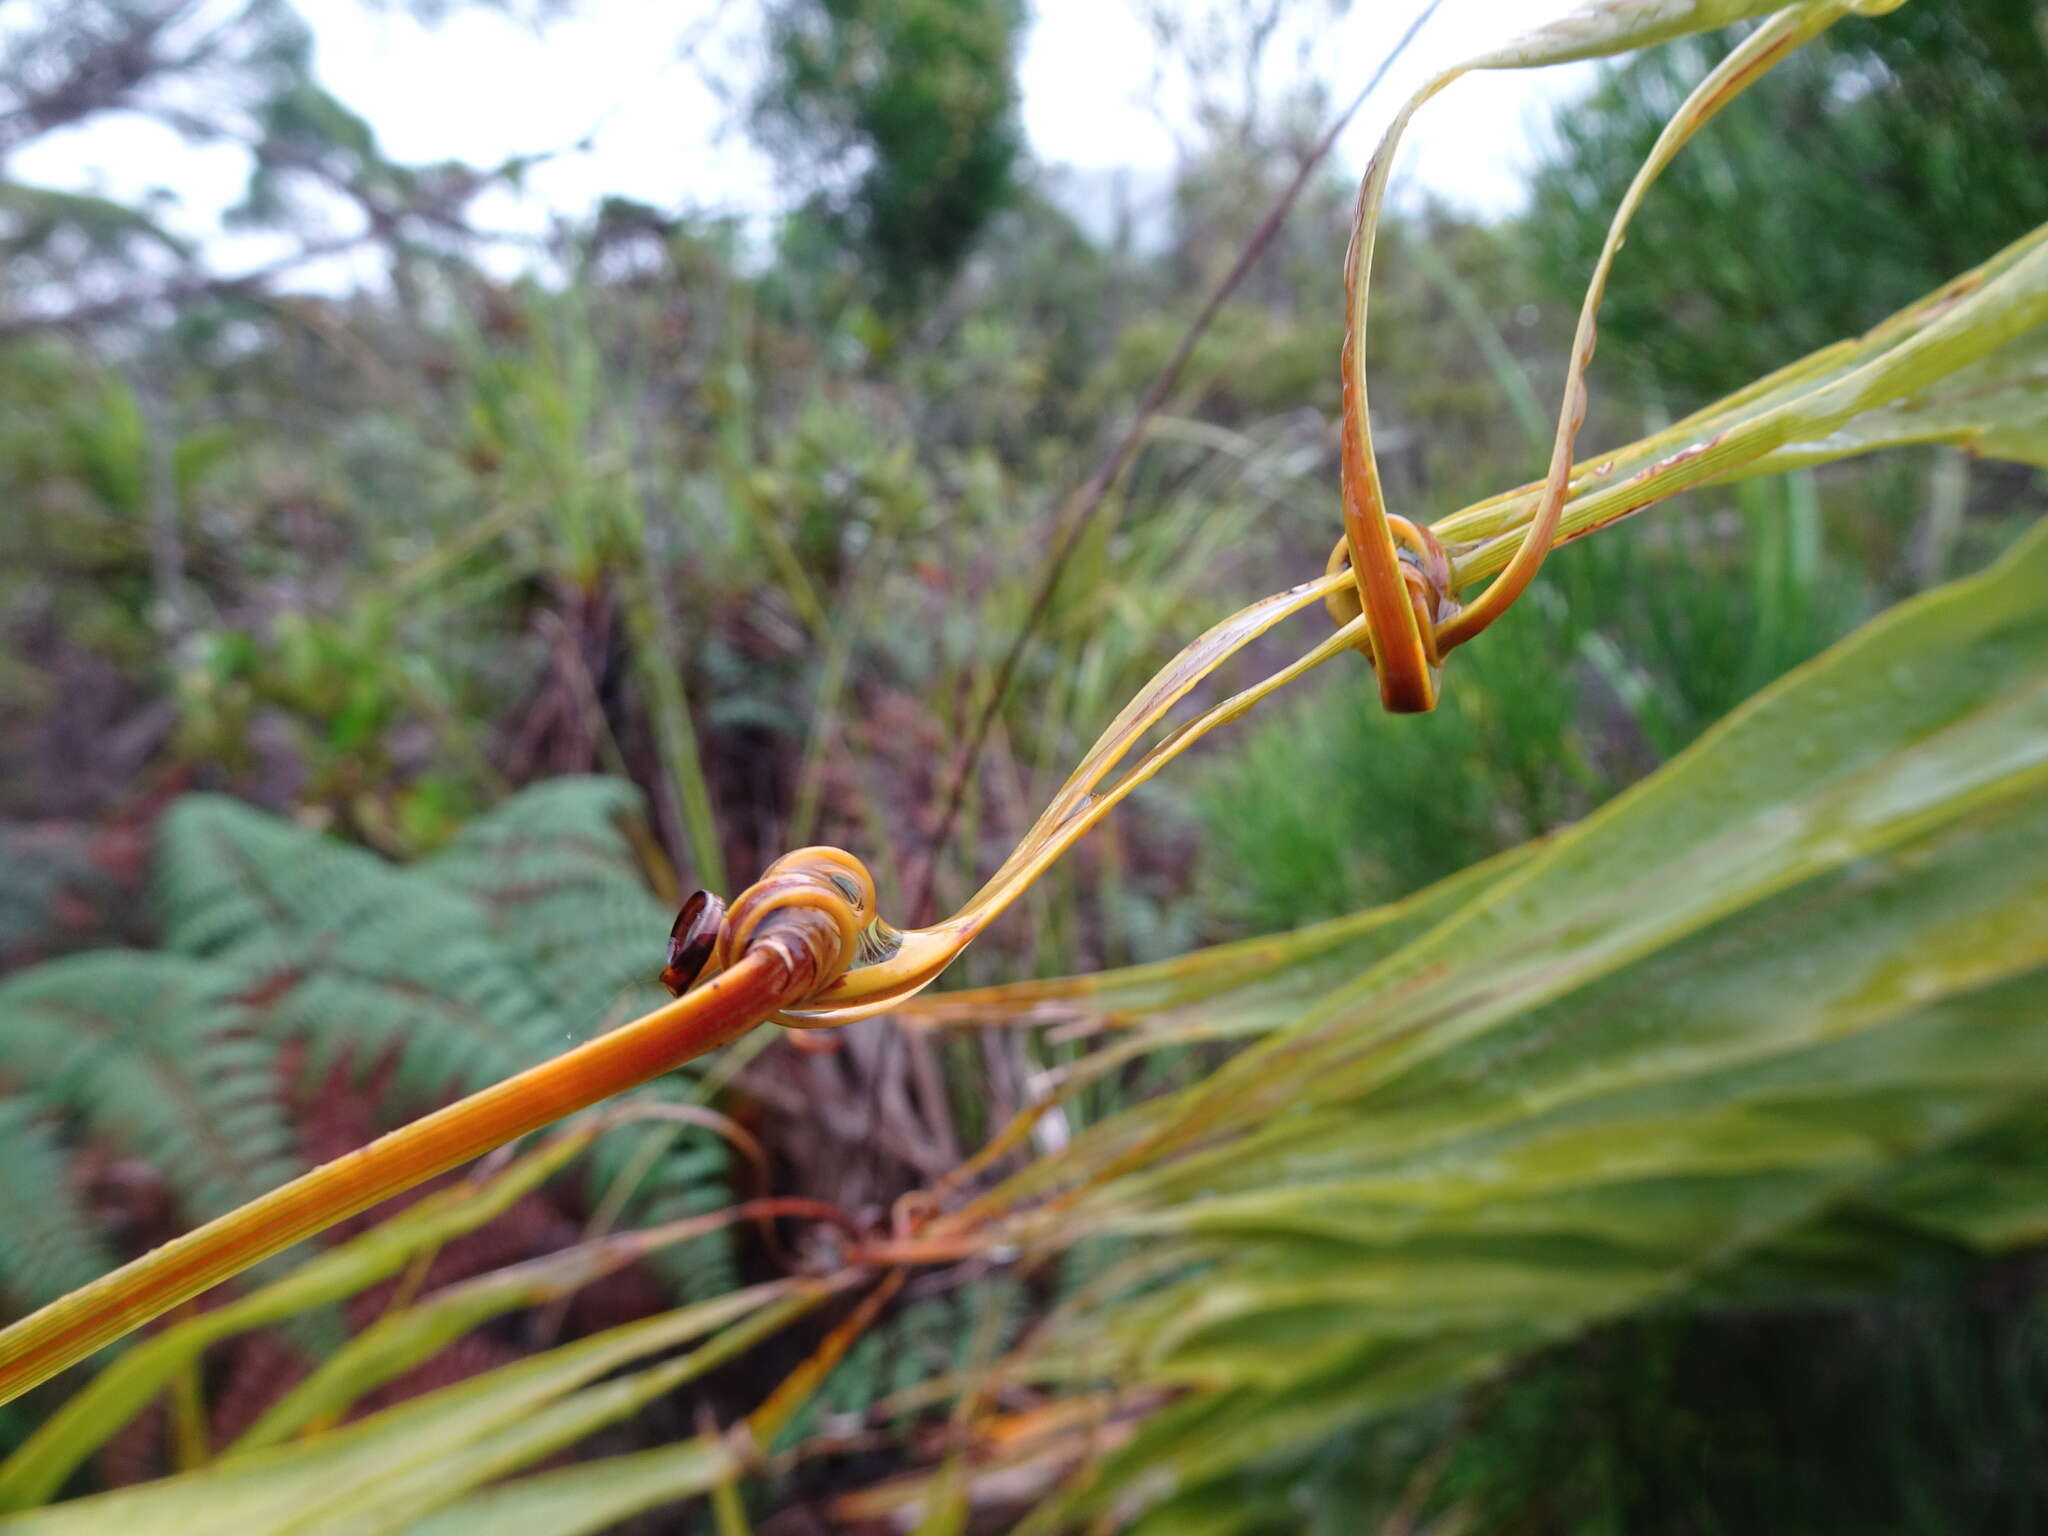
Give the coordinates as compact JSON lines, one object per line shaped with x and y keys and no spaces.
{"x":180,"y":291}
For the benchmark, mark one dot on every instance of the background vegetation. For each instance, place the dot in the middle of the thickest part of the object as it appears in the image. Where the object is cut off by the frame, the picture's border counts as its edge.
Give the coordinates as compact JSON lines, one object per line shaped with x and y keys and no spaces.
{"x":379,"y":667}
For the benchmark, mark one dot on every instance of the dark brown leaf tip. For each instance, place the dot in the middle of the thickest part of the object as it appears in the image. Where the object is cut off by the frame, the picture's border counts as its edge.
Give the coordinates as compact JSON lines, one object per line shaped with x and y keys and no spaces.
{"x":691,"y":941}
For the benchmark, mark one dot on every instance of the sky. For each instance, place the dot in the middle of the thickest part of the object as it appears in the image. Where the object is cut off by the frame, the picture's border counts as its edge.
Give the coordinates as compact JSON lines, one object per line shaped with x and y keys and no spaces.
{"x":653,"y":86}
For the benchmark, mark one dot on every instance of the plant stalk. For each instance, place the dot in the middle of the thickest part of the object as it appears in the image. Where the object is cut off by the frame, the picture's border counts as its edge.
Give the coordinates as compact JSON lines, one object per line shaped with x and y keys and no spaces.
{"x":775,"y":973}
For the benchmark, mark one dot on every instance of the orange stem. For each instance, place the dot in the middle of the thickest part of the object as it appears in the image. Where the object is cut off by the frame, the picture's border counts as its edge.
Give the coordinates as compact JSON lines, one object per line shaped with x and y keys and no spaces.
{"x":1400,"y":652}
{"x":770,"y":977}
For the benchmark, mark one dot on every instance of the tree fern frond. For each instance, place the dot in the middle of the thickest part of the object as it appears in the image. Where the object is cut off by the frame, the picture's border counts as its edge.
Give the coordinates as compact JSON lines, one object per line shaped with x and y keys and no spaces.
{"x":38,"y":868}
{"x":150,"y":1051}
{"x":568,"y":830}
{"x":531,"y":931}
{"x":331,"y":945}
{"x":47,"y":1244}
{"x":566,"y":893}
{"x":565,"y":890}
{"x":498,"y":954}
{"x":689,"y":1178}
{"x":227,"y":875}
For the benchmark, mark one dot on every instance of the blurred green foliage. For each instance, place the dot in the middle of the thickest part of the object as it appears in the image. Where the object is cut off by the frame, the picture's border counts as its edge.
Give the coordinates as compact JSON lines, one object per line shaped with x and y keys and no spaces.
{"x":1865,"y":171}
{"x":1760,"y":1034}
{"x":1916,"y":1415}
{"x":752,"y":527}
{"x":907,"y":111}
{"x":1894,"y":152}
{"x":291,"y":965}
{"x":1637,"y":641}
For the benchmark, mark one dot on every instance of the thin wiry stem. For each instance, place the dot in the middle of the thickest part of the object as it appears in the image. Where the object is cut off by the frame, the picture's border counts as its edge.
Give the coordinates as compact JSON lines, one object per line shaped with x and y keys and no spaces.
{"x":1088,"y":501}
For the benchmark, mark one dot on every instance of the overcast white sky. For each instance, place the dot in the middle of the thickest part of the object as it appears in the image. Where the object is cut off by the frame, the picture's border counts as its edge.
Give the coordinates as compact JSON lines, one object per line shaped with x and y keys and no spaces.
{"x":481,"y":86}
